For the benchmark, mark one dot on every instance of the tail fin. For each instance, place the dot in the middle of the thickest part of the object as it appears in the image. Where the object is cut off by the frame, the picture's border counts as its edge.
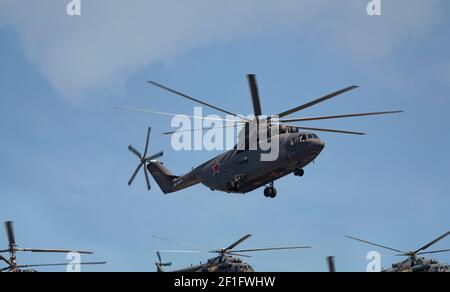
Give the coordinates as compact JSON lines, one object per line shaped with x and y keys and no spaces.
{"x":163,"y":177}
{"x":168,"y":182}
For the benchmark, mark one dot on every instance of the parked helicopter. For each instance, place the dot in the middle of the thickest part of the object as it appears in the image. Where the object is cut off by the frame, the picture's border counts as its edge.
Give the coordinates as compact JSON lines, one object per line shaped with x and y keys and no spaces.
{"x":228,"y":259}
{"x":414,"y":263}
{"x":11,"y":262}
{"x":241,"y":170}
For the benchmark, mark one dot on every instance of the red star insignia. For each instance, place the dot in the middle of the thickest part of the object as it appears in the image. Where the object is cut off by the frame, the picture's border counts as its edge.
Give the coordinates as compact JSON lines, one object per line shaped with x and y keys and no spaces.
{"x":216,"y":168}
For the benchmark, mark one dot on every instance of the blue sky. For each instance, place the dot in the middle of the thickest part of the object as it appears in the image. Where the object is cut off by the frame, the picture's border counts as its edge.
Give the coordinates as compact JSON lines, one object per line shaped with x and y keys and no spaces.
{"x":65,"y":164}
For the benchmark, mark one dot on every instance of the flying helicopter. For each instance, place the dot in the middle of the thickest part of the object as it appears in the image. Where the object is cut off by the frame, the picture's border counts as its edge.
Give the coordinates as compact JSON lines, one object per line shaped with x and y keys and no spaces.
{"x":227,"y":260}
{"x":413,"y":262}
{"x":13,"y":249}
{"x":241,"y":170}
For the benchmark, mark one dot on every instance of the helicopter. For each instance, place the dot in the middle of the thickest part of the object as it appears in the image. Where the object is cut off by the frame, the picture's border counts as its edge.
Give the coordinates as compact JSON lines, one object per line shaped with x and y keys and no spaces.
{"x":241,"y":170}
{"x":11,"y":262}
{"x":413,"y":262}
{"x":227,"y":260}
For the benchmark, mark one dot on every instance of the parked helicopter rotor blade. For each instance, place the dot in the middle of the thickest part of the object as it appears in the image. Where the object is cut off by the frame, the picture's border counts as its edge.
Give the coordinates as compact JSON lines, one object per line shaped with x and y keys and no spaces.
{"x":5,"y":260}
{"x":434,"y":251}
{"x":158,"y":254}
{"x":255,"y":95}
{"x":272,"y":249}
{"x":339,"y":116}
{"x":231,"y":247}
{"x":134,"y":151}
{"x":180,"y":243}
{"x":328,"y":130}
{"x":9,"y":225}
{"x":175,"y":115}
{"x":41,"y":250}
{"x":378,"y":245}
{"x":195,"y":100}
{"x":60,"y":264}
{"x":316,"y":101}
{"x":149,"y":131}
{"x":432,"y":243}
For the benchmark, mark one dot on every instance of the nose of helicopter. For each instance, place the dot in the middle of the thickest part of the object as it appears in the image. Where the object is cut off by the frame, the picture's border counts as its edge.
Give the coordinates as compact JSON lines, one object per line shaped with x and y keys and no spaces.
{"x":317,"y":145}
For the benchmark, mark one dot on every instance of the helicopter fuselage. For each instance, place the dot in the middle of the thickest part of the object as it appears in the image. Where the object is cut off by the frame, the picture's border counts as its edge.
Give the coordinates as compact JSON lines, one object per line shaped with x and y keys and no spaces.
{"x":242,"y":171}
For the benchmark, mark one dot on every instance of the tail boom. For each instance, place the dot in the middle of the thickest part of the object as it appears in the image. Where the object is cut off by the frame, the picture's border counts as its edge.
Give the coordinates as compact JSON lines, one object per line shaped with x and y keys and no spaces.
{"x":168,"y":182}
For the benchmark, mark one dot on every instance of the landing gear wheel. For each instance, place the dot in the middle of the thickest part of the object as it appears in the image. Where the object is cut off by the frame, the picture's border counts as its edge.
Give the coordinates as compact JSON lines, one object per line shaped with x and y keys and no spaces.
{"x":273,"y":193}
{"x":299,"y":172}
{"x":270,"y":192}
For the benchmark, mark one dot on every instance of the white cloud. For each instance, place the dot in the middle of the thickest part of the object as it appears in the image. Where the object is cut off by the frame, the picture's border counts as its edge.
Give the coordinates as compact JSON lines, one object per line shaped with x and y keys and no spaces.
{"x":114,"y":38}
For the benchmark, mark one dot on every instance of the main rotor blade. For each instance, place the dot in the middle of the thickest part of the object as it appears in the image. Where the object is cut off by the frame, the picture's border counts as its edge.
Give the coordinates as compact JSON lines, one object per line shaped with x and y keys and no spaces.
{"x":238,"y":255}
{"x":272,"y":248}
{"x":339,"y":116}
{"x":60,"y":264}
{"x":153,"y":157}
{"x":147,"y":179}
{"x":255,"y":95}
{"x":5,"y":260}
{"x":174,"y":115}
{"x":135,"y":173}
{"x":432,"y":243}
{"x":201,"y":129}
{"x":316,"y":101}
{"x":181,"y":251}
{"x":378,"y":245}
{"x":147,"y":141}
{"x":194,"y":99}
{"x":9,"y":225}
{"x":135,"y":152}
{"x":434,"y":251}
{"x":238,"y":242}
{"x":158,"y":254}
{"x":180,"y":243}
{"x":40,"y":250}
{"x":328,"y":130}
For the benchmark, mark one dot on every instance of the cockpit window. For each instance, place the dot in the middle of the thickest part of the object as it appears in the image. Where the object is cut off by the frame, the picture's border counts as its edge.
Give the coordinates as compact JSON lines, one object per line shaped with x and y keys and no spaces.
{"x":303,"y":138}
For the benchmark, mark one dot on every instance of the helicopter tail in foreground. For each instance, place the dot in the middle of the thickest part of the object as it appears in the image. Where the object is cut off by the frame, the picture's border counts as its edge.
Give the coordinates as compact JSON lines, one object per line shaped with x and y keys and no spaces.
{"x":163,"y":177}
{"x":168,"y":182}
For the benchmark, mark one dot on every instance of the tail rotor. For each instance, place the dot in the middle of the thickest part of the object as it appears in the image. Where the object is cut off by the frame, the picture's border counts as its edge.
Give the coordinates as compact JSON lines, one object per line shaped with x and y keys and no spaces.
{"x":143,"y":160}
{"x":160,"y":264}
